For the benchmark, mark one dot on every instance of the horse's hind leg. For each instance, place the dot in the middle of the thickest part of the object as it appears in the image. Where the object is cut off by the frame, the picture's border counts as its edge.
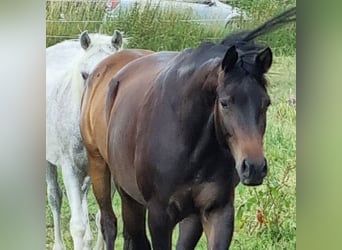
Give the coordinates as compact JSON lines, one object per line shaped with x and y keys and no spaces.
{"x":88,"y":236}
{"x":134,"y":224}
{"x":55,"y":201}
{"x":100,"y":244}
{"x":73,"y":181}
{"x":101,"y":181}
{"x":190,"y":231}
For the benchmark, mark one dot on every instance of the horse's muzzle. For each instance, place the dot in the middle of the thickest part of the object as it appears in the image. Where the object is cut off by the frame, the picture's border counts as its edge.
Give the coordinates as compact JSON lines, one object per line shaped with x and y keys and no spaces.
{"x":252,"y":173}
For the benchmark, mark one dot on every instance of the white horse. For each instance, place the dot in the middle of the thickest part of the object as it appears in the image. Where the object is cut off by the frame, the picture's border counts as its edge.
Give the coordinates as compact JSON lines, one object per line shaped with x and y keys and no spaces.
{"x":68,"y":64}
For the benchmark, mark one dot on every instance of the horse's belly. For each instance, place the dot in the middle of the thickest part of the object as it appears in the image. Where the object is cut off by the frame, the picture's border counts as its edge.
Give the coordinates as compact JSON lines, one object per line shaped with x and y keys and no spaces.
{"x":125,"y":178}
{"x":63,"y":139}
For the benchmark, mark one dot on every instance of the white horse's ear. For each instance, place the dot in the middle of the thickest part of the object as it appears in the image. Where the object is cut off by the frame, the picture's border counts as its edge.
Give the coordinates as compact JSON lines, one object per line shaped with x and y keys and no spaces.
{"x":85,"y":40}
{"x":117,"y":39}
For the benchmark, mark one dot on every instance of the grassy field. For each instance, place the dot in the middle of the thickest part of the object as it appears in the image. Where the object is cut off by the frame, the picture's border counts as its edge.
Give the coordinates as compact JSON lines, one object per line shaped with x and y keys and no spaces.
{"x":161,"y":30}
{"x":168,"y":29}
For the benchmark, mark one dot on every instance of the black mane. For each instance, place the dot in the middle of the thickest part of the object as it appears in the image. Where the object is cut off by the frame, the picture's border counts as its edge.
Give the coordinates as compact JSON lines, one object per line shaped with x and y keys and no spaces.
{"x":243,"y":41}
{"x":207,"y":50}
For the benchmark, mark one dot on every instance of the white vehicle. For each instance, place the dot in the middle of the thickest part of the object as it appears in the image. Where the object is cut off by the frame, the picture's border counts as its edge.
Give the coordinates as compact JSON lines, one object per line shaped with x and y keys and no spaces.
{"x":203,"y":11}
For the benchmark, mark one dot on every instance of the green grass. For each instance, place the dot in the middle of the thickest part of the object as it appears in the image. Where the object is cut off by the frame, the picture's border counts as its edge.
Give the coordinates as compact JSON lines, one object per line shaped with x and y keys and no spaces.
{"x":282,"y":41}
{"x":170,"y":29}
{"x":77,"y":17}
{"x":163,"y":30}
{"x":276,"y":198}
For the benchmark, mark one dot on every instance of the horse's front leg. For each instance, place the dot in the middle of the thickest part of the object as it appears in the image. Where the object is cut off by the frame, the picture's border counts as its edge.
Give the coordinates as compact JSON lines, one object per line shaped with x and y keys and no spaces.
{"x":218,"y":225}
{"x":190,"y":231}
{"x":160,"y":227}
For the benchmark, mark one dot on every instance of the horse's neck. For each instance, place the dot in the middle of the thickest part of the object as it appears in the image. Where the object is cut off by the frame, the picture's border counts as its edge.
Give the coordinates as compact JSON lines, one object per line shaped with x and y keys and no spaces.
{"x":205,"y":141}
{"x":191,"y":104}
{"x":187,"y":92}
{"x":200,"y":96}
{"x":197,"y":92}
{"x":211,"y":145}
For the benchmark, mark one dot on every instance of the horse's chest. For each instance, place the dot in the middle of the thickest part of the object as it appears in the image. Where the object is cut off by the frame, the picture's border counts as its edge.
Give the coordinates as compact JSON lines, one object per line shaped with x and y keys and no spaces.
{"x":198,"y":198}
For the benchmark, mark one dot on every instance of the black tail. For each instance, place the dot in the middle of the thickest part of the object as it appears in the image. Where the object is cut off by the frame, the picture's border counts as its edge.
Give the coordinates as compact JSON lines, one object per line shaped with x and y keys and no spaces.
{"x":248,"y":36}
{"x":276,"y":22}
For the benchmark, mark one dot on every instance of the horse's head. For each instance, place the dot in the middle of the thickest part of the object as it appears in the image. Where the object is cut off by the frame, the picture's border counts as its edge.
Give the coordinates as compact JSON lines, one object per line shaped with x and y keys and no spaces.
{"x":96,"y":47}
{"x":240,"y":110}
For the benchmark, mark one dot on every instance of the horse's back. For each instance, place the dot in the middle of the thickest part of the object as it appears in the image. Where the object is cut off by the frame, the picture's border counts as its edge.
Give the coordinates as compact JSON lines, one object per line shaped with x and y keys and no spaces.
{"x":93,"y":124}
{"x":135,"y":83}
{"x":59,"y":61}
{"x":61,"y":55}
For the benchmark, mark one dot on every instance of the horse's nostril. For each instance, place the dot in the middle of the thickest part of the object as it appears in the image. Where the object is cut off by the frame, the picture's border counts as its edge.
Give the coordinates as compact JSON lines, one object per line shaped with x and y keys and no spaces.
{"x":250,"y":168}
{"x":246,"y":168}
{"x":264,"y":168}
{"x":243,"y":166}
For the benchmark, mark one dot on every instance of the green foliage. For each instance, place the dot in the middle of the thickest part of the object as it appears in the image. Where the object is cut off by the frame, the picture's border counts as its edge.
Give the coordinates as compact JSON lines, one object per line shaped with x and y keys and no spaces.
{"x":68,"y":19}
{"x":158,"y":29}
{"x":163,"y":29}
{"x":282,"y":41}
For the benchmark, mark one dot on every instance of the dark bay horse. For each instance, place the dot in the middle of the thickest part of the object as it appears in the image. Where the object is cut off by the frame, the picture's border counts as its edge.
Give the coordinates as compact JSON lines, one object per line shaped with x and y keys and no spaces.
{"x":183,"y":128}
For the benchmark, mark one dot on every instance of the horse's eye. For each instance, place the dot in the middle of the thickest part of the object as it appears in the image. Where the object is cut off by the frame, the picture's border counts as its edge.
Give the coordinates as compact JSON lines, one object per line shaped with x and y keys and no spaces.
{"x":226,"y":102}
{"x":84,"y":75}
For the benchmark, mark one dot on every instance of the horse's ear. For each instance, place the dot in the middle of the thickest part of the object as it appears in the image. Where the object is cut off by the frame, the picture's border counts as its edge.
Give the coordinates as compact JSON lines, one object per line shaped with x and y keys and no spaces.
{"x":264,"y":59}
{"x":85,"y":40}
{"x":117,"y":39}
{"x":229,"y":59}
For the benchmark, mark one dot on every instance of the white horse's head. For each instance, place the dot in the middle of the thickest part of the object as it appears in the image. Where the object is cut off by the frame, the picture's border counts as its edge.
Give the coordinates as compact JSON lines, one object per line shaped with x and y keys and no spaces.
{"x":95,"y":47}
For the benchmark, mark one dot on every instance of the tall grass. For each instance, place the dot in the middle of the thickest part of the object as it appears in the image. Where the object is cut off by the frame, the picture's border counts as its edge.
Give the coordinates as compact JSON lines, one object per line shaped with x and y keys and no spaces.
{"x":163,"y":29}
{"x":67,"y":19}
{"x":282,"y":41}
{"x":159,"y":30}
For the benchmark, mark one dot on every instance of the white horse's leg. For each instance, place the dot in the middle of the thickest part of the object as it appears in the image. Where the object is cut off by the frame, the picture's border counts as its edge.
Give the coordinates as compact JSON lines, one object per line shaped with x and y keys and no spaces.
{"x":55,"y":201}
{"x":88,"y":236}
{"x":73,"y":181}
{"x":100,"y":243}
